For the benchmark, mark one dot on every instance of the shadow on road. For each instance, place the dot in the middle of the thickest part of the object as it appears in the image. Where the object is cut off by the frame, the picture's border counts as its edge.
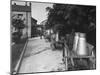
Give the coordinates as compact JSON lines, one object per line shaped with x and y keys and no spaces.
{"x":47,"y":48}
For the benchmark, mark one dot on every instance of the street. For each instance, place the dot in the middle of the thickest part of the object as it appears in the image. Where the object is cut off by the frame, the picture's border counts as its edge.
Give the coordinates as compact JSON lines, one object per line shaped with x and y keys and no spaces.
{"x":52,"y":37}
{"x":39,"y":57}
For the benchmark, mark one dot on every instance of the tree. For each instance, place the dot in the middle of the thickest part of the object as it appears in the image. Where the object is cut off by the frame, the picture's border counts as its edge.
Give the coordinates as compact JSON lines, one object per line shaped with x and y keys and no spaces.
{"x":68,"y":17}
{"x":18,"y":24}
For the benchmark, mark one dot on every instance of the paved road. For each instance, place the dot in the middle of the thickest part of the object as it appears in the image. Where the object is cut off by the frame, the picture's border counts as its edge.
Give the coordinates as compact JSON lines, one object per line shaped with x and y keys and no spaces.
{"x":39,"y":57}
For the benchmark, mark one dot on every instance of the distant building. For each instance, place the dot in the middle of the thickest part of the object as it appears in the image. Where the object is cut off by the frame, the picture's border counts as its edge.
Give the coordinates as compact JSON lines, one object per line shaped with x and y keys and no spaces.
{"x":24,"y":12}
{"x":33,"y":21}
{"x":33,"y":27}
{"x":45,"y":29}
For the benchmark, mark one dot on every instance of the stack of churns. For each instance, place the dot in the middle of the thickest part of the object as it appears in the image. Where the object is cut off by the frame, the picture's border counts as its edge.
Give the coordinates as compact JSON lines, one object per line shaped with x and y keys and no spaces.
{"x":80,"y":46}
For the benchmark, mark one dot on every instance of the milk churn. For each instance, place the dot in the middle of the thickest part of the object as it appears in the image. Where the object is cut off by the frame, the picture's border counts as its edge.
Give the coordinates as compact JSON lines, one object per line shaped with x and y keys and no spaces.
{"x":82,"y":45}
{"x":75,"y":43}
{"x":57,"y":36}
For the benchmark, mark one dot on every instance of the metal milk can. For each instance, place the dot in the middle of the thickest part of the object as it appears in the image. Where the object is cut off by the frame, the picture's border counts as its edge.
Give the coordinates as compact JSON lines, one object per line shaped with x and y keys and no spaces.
{"x":57,"y":36}
{"x":82,"y":46}
{"x":75,"y":43}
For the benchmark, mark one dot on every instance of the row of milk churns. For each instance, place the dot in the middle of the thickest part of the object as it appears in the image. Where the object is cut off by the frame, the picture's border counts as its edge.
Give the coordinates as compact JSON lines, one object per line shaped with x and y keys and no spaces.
{"x":80,"y":44}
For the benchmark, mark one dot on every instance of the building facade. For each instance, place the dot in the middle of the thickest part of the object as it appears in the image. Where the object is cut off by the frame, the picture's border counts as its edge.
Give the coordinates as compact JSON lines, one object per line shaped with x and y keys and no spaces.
{"x":34,"y":31}
{"x":24,"y":13}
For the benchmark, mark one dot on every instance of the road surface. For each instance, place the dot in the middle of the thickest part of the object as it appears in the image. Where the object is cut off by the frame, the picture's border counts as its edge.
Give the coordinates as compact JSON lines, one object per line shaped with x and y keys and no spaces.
{"x":39,"y":57}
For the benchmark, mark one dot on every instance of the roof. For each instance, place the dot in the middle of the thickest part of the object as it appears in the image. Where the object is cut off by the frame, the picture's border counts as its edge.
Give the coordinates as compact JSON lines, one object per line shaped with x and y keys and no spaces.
{"x":43,"y":22}
{"x":21,"y":8}
{"x":33,"y":20}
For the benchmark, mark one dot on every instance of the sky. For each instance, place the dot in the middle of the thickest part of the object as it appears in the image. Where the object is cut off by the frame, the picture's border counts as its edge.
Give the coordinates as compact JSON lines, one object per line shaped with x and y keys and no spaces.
{"x":38,"y":10}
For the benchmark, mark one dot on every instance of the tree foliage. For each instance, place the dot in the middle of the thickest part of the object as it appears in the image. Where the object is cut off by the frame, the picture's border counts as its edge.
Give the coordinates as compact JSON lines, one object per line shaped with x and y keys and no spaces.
{"x":65,"y":17}
{"x":18,"y":23}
